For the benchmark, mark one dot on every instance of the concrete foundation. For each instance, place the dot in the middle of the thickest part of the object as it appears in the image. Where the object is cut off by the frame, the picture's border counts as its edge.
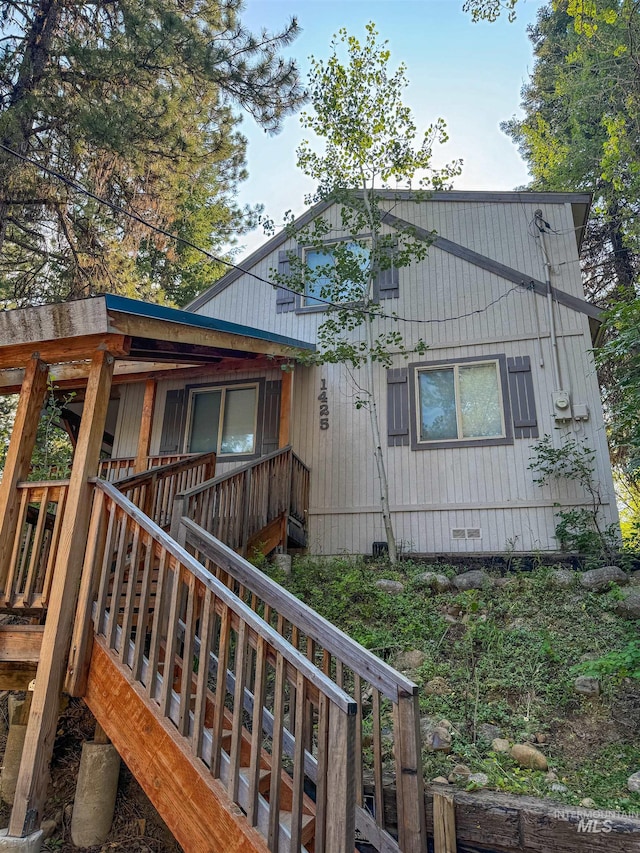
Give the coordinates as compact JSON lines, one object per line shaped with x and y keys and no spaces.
{"x":11,"y":764}
{"x":29,"y":844}
{"x":95,"y":798}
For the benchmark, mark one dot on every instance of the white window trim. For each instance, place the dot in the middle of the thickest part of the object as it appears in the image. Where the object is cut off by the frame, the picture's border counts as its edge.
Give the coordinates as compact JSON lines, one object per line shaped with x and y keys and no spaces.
{"x":193,"y":392}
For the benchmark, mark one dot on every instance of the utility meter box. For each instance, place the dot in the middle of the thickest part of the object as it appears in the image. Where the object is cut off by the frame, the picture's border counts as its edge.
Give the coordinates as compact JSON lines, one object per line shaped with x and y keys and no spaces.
{"x":561,"y":406}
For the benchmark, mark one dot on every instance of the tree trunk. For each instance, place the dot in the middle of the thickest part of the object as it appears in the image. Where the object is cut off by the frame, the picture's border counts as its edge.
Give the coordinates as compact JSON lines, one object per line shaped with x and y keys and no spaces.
{"x":32,"y":69}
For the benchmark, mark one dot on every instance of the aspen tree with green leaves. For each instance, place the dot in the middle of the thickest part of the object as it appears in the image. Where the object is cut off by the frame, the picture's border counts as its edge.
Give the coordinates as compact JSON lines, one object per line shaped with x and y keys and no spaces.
{"x":370,"y":142}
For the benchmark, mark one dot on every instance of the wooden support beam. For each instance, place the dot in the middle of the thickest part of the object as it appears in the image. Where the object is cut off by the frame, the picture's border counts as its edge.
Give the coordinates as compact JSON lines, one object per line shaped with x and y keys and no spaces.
{"x":34,"y":770}
{"x":67,"y":349}
{"x":286,"y":401}
{"x":146,"y":424}
{"x":411,"y":817}
{"x":21,"y":444}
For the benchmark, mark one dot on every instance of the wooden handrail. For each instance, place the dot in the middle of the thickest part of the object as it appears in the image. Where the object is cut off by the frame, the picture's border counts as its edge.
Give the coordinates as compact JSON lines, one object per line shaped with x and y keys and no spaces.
{"x":162,"y":615}
{"x":349,"y":664}
{"x":236,"y":506}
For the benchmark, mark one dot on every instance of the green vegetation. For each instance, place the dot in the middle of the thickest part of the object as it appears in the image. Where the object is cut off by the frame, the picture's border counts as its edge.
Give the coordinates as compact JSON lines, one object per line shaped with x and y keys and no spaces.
{"x":506,"y":655}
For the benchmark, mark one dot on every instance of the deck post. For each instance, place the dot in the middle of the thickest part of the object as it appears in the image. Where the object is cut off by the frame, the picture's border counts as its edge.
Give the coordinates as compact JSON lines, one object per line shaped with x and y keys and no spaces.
{"x":341,"y":783}
{"x":412,"y":825}
{"x":21,"y":444}
{"x":286,"y":399}
{"x":31,"y":789}
{"x":146,"y":424}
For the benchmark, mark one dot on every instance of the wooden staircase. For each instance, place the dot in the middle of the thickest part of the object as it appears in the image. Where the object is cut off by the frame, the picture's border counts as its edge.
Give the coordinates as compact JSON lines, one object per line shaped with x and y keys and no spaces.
{"x":241,"y":712}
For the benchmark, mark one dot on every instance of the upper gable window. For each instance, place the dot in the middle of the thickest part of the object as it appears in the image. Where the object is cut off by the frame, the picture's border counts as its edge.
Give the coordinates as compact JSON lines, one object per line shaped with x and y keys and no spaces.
{"x":460,"y":403}
{"x":335,"y":273}
{"x":223,"y":419}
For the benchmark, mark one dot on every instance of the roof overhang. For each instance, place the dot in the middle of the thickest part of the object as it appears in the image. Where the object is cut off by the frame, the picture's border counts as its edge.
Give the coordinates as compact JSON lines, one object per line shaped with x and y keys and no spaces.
{"x":142,"y":337}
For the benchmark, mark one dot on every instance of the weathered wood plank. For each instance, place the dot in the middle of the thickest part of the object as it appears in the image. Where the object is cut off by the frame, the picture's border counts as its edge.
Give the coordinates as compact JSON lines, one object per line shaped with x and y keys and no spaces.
{"x":58,"y":351}
{"x":444,"y":823}
{"x":194,"y":805}
{"x":20,"y":643}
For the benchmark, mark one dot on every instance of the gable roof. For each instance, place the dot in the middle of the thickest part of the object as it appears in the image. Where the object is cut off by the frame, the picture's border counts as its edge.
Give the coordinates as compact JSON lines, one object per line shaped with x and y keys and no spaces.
{"x":580,"y":203}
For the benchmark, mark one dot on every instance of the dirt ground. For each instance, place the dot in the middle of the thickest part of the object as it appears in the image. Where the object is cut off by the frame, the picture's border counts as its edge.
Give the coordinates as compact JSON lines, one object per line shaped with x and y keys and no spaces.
{"x":137,"y":827}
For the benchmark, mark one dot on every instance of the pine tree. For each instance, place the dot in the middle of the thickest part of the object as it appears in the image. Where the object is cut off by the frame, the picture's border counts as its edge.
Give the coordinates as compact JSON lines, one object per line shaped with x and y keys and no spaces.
{"x":138,"y":101}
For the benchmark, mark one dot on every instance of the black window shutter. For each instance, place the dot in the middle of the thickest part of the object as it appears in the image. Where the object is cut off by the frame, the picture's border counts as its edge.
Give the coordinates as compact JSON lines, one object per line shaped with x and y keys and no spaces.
{"x":285,"y":299}
{"x":271,"y":417}
{"x":398,"y":406}
{"x":173,"y":423}
{"x":523,"y":404}
{"x":387,"y":284}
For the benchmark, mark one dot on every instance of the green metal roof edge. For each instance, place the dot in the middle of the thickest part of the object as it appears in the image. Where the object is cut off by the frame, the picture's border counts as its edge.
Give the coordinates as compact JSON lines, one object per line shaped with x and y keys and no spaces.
{"x":188,"y":318}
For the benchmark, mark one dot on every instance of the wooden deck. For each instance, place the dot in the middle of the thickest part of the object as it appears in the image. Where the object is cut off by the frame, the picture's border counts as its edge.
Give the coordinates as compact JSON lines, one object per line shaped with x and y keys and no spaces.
{"x":244,"y":701}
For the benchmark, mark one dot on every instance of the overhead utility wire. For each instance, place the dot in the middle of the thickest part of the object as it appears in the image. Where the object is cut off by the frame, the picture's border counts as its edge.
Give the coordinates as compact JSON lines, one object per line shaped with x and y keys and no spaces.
{"x":159,"y":230}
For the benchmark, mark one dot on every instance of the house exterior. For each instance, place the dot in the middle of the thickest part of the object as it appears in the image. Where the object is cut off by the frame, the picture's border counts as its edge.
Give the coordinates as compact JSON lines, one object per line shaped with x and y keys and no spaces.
{"x":506,"y":364}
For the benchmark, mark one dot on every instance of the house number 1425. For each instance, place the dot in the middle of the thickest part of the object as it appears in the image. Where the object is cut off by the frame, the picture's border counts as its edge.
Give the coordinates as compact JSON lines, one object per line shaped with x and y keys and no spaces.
{"x":324,"y":407}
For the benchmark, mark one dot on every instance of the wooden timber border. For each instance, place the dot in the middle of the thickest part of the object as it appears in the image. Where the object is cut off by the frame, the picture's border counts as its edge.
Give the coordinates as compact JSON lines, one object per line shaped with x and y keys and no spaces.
{"x":490,"y":822}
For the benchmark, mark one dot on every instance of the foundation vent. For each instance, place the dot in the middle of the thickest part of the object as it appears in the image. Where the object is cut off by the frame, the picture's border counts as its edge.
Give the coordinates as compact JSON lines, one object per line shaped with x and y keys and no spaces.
{"x":466,"y":533}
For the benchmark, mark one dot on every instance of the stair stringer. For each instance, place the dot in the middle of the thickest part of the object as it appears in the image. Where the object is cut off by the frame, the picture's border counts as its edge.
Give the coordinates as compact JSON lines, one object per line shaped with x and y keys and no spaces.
{"x":193,"y":804}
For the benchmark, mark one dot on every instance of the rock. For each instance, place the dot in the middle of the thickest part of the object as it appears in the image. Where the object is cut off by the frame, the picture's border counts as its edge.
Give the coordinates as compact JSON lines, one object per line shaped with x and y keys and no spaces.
{"x":439,"y":740}
{"x":634,"y":578}
{"x":562,"y":578}
{"x":409,"y":661}
{"x":48,"y":827}
{"x":598,"y":580}
{"x":488,"y":732}
{"x":390,"y":587}
{"x":588,"y":803}
{"x":445,"y":724}
{"x":500,"y":744}
{"x":460,"y":771}
{"x":500,"y":583}
{"x":438,"y":686}
{"x":453,"y":609}
{"x":451,"y":620}
{"x":558,"y":788}
{"x":528,"y":756}
{"x":478,"y":780}
{"x":629,"y":605}
{"x":633,"y":783}
{"x":439,"y":583}
{"x":439,"y":780}
{"x":587,"y":685}
{"x":427,"y":726}
{"x":551,"y":776}
{"x":541,"y":737}
{"x":474,"y":579}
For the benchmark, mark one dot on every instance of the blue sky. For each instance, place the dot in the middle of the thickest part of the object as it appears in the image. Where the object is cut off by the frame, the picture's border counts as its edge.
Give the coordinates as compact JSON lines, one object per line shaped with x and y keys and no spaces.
{"x":469,"y":74}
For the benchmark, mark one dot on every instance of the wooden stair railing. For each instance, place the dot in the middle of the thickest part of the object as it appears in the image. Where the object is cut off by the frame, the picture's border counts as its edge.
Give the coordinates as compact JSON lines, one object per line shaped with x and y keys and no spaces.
{"x":385,"y":698}
{"x":117,"y":468}
{"x":154,"y":490}
{"x":238,"y":506}
{"x":27,"y":584}
{"x":192,"y":661}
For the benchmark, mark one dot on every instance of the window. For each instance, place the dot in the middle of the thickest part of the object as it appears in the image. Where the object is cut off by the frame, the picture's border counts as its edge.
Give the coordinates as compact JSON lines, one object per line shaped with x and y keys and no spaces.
{"x":335,"y":273}
{"x":462,"y":403}
{"x":223,"y":419}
